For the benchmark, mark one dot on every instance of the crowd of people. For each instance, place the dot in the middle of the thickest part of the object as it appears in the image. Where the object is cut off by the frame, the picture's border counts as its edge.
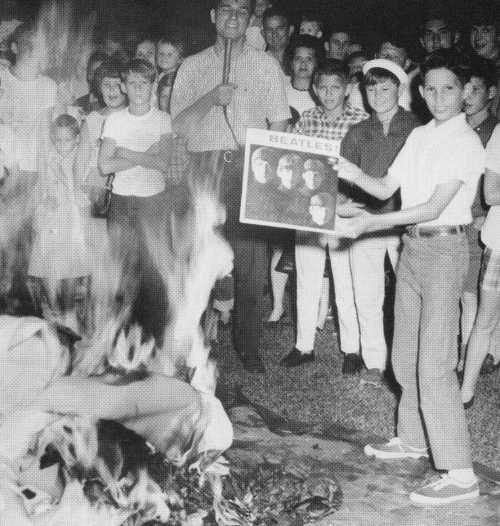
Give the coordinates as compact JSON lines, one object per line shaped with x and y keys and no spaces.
{"x":416,"y":191}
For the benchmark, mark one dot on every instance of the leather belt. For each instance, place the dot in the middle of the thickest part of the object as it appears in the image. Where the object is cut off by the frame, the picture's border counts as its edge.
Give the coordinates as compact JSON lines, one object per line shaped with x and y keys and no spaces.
{"x":433,"y":231}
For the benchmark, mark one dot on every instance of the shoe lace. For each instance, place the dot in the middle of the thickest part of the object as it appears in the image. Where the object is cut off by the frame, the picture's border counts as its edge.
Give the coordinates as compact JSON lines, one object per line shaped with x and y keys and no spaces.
{"x":440,"y":483}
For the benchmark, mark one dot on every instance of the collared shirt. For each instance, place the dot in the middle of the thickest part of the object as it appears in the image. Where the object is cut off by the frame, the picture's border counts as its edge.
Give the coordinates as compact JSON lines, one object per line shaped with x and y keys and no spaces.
{"x":490,"y":233}
{"x":367,"y":146}
{"x":315,"y":123}
{"x":259,"y":98}
{"x":484,"y":130}
{"x":435,"y":155}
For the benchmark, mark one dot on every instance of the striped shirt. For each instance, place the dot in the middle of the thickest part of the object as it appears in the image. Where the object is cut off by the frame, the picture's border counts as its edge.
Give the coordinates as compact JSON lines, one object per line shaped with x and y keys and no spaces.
{"x":260,"y":96}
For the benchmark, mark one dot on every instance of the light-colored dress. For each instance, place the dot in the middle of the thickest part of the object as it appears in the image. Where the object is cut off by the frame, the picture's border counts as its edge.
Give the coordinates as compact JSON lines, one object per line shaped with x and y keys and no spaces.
{"x":59,"y":249}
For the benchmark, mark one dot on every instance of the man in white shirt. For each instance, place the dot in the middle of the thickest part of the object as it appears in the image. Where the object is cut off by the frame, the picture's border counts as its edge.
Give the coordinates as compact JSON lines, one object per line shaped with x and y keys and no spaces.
{"x":254,"y":97}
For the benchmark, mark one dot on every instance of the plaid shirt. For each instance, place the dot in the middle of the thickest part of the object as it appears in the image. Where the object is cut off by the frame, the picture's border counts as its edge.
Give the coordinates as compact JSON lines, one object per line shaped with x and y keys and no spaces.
{"x":314,"y":123}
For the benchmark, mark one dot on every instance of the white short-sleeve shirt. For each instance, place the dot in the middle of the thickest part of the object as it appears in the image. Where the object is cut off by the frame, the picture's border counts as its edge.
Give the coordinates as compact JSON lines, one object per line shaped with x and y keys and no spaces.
{"x":301,"y":100}
{"x":490,"y":233}
{"x":137,"y":133}
{"x":434,"y":155}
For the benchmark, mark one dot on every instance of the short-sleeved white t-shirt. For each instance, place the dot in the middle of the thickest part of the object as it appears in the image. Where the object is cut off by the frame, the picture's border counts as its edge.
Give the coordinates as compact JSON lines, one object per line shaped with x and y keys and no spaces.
{"x":137,"y":133}
{"x":434,"y":155}
{"x":490,"y":233}
{"x":300,"y":100}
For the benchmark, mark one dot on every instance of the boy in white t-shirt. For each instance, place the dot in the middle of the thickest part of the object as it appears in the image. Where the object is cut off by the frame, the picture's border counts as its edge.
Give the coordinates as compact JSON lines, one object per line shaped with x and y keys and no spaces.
{"x":437,"y":170}
{"x":136,"y":147}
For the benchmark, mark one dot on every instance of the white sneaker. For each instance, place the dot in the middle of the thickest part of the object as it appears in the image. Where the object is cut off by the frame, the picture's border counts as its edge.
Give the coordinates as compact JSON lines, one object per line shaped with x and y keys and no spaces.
{"x":394,"y":449}
{"x":444,"y":491}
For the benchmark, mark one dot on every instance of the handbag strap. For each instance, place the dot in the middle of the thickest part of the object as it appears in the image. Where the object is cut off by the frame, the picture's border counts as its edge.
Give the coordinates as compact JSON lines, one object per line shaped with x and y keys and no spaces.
{"x":109,"y":182}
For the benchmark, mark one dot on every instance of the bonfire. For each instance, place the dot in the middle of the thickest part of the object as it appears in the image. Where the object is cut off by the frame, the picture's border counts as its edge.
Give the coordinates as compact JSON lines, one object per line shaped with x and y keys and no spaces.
{"x":62,"y":467}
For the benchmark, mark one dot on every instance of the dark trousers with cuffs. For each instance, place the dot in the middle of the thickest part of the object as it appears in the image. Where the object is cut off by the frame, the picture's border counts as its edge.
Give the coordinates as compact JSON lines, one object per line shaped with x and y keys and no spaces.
{"x":251,"y":260}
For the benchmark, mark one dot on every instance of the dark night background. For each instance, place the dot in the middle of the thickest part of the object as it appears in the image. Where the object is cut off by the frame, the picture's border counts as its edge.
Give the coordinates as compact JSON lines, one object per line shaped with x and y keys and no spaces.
{"x":369,"y":20}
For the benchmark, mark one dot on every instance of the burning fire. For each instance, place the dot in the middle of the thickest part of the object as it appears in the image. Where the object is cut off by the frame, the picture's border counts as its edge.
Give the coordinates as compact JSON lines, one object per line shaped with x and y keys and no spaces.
{"x":190,"y":256}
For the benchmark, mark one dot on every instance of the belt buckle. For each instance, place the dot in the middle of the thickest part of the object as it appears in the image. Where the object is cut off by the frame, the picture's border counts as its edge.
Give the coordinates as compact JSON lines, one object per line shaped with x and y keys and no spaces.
{"x":228,"y":156}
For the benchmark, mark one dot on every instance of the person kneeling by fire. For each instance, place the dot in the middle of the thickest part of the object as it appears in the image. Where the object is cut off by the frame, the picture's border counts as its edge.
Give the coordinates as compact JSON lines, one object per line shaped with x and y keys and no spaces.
{"x":83,"y":449}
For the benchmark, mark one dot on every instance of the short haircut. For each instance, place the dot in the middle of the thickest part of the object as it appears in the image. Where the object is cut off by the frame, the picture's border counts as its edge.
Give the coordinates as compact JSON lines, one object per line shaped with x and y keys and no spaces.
{"x":356,"y":54}
{"x":294,"y":159}
{"x":323,"y":199}
{"x":396,"y":40}
{"x":145,"y":38}
{"x":65,"y":121}
{"x":110,"y":68}
{"x":315,"y":165}
{"x":439,"y":14}
{"x":307,"y":41}
{"x":23,"y":37}
{"x":376,"y":75}
{"x":484,"y":69}
{"x":216,"y":4}
{"x":272,"y":12}
{"x":340,"y":29}
{"x":177,"y":42}
{"x":142,"y":67}
{"x":310,"y":17}
{"x":452,"y":60}
{"x":266,"y":154}
{"x":486,"y":16}
{"x":330,"y":67}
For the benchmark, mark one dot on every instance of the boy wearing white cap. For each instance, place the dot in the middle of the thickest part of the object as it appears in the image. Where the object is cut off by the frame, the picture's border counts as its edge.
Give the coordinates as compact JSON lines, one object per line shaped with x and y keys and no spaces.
{"x":372,"y":145}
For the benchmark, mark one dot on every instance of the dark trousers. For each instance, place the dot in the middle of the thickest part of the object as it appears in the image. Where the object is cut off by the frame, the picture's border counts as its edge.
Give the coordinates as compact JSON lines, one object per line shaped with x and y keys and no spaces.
{"x":250,"y":271}
{"x":131,"y":221}
{"x":224,"y":170}
{"x":249,"y":244}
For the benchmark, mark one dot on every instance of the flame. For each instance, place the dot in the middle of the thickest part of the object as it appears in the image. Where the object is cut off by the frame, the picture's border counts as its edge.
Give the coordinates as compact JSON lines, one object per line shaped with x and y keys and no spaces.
{"x":190,"y":255}
{"x":64,"y":39}
{"x":194,"y":257}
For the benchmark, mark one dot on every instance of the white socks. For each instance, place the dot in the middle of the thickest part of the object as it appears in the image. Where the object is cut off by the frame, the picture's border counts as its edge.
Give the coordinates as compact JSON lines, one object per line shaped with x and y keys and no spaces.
{"x":464,"y":476}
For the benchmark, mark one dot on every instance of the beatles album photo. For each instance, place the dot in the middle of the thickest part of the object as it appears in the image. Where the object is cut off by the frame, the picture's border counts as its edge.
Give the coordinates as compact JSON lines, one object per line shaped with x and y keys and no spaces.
{"x":289,"y":181}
